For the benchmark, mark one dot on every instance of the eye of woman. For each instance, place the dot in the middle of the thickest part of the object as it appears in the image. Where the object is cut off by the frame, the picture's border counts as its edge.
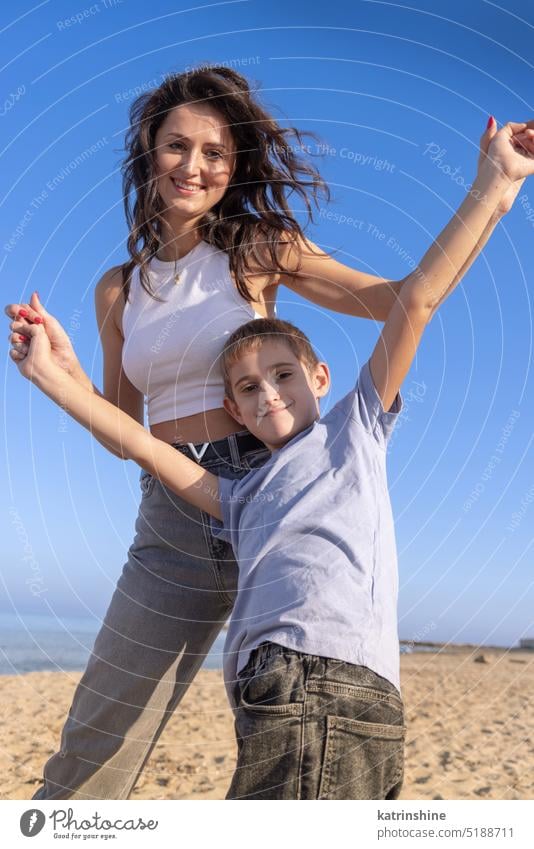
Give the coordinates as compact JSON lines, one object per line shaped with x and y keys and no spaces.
{"x":285,"y":374}
{"x":249,"y":387}
{"x":218,"y":154}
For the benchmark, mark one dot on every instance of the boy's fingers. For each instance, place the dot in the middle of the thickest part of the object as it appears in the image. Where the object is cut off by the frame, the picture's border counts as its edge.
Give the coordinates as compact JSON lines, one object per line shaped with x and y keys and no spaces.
{"x":29,"y":330}
{"x":21,"y":326}
{"x":523,"y":142}
{"x":523,"y":138}
{"x":18,"y":326}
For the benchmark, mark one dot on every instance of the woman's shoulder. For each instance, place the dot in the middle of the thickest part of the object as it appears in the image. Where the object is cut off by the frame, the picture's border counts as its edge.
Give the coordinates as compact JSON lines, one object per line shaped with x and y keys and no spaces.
{"x":111,"y":279}
{"x":289,"y":248}
{"x":107,"y":292}
{"x":293,"y":248}
{"x":267,"y":248}
{"x":272,"y":256}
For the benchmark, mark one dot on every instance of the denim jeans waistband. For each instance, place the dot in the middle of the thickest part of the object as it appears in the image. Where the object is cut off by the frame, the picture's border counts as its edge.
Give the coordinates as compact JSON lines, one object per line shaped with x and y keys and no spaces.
{"x":231,"y":447}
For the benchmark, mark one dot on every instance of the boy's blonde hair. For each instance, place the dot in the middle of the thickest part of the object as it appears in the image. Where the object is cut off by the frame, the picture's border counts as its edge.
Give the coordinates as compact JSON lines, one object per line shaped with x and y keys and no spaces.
{"x":252,"y":335}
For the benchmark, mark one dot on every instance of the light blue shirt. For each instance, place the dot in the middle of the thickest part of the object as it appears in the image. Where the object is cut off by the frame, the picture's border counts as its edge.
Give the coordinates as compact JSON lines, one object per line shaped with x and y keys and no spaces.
{"x":312,"y":531}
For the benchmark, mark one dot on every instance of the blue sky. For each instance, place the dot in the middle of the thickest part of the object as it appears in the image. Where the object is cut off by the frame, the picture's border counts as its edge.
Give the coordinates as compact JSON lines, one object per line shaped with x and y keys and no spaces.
{"x":399,"y":96}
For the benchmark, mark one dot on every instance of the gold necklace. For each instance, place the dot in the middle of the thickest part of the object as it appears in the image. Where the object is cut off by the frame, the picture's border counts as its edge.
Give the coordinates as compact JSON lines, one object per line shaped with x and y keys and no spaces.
{"x":176,"y":275}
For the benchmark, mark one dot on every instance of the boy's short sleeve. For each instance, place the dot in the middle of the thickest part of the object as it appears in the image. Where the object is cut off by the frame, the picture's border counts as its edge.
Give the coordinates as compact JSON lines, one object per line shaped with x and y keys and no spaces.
{"x":222,"y":529}
{"x":365,"y":407}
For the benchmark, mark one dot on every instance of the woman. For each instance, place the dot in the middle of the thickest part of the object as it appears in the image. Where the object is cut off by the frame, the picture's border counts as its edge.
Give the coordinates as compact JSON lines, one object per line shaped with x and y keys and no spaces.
{"x":211,"y":239}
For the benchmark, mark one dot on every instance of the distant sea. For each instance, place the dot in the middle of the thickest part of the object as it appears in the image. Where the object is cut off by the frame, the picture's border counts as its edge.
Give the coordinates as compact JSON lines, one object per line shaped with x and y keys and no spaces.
{"x":33,"y":643}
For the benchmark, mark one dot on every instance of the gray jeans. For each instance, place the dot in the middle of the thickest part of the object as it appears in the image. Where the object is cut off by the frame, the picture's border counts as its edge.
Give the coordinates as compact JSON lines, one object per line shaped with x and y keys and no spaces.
{"x":176,"y":591}
{"x":310,"y":727}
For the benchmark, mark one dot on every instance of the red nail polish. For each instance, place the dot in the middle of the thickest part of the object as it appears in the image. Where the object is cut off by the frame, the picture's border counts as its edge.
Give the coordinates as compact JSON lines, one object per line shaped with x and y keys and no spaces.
{"x":37,"y":320}
{"x":24,"y":339}
{"x":23,"y":313}
{"x":491,"y":119}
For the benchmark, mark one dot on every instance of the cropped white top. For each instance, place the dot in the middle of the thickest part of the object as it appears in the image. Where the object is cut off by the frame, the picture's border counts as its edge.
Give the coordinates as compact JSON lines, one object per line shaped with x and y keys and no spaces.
{"x":171,"y":350}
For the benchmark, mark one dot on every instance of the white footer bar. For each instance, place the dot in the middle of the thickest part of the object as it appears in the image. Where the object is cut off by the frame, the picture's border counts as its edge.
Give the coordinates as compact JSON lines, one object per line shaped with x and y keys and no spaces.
{"x":225,"y":825}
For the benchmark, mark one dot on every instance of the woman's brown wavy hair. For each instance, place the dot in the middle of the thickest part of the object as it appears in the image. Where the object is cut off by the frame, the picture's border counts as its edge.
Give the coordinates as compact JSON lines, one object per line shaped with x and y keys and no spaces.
{"x":254,"y":210}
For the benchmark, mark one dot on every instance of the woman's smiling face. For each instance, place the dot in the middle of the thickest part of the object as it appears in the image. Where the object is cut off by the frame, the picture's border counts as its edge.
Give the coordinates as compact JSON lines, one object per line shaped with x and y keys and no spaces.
{"x":195,"y":159}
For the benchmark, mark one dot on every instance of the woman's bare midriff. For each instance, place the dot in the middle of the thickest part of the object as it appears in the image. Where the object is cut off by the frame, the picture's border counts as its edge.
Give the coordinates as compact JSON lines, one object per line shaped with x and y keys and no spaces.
{"x":202,"y":427}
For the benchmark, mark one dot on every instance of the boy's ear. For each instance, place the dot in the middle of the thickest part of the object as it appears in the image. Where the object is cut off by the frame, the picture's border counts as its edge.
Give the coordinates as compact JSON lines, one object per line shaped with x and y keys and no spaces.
{"x":321,"y":380}
{"x":232,"y":408}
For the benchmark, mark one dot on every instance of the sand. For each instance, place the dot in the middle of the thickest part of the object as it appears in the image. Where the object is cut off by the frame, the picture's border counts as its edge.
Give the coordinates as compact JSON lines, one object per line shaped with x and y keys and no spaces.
{"x":470,"y":731}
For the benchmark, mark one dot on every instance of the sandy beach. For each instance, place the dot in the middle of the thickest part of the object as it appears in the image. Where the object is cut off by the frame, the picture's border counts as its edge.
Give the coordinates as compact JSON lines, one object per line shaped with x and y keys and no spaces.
{"x":470,"y":731}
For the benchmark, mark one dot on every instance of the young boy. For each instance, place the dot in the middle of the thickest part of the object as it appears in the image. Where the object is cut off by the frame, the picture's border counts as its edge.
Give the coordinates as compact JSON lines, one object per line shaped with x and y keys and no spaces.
{"x":311,"y":657}
{"x":311,"y":660}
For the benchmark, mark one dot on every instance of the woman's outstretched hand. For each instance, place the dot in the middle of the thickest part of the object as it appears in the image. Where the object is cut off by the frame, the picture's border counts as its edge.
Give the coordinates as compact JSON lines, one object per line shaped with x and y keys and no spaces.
{"x":62,"y":352}
{"x":38,"y":363}
{"x":510,"y":150}
{"x":526,"y":138}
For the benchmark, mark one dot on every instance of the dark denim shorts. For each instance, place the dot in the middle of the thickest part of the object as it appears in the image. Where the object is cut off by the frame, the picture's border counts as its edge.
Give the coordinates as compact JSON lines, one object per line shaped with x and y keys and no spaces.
{"x":310,"y":727}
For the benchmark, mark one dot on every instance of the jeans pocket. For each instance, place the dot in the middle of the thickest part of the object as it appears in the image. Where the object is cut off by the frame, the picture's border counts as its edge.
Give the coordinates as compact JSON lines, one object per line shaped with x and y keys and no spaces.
{"x":362,"y":760}
{"x":265,"y":690}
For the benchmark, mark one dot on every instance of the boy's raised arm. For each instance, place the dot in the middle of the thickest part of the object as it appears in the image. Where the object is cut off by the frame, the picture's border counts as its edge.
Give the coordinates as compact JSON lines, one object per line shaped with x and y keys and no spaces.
{"x":122,"y":433}
{"x":438,"y":274}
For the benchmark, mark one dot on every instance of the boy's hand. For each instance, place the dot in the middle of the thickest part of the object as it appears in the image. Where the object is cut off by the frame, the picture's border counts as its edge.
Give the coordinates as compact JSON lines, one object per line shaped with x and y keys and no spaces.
{"x":63,"y":353}
{"x":38,"y":363}
{"x":523,"y":138}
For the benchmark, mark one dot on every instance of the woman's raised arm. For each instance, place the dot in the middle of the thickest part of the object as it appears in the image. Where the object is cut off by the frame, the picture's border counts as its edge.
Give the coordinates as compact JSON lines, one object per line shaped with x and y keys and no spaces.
{"x":437,"y":275}
{"x":338,"y":287}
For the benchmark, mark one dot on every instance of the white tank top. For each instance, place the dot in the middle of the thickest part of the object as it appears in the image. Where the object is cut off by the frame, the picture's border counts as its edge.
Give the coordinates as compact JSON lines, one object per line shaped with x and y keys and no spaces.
{"x":171,"y":350}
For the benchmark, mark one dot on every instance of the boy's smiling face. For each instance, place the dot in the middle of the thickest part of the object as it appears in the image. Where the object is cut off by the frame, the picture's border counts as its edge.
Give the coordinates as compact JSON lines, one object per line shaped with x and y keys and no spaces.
{"x":275,"y":395}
